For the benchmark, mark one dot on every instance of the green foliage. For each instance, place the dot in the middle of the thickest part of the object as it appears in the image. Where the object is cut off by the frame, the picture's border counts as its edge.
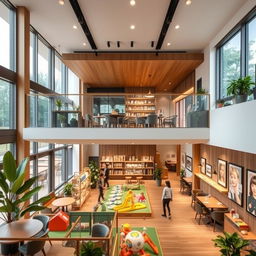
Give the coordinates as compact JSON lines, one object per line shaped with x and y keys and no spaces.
{"x":95,"y":173}
{"x":89,"y":249}
{"x":182,"y":173}
{"x":68,"y":189}
{"x":58,"y":104}
{"x":251,"y":253}
{"x":240,"y":86}
{"x":230,"y":244}
{"x":158,"y":173}
{"x":201,"y":91}
{"x":15,"y":191}
{"x":62,"y":118}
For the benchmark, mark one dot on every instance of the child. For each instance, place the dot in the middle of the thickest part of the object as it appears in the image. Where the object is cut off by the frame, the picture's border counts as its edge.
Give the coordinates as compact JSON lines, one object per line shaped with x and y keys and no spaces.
{"x":235,"y":188}
{"x":252,"y":197}
{"x":141,"y":197}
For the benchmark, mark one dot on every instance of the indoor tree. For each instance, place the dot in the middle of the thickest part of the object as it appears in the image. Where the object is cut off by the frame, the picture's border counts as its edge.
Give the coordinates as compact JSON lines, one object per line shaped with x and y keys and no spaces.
{"x":16,"y":191}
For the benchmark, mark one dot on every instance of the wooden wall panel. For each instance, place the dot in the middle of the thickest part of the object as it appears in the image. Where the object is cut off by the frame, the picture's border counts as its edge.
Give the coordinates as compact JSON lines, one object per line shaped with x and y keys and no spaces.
{"x":247,"y":160}
{"x":128,"y":150}
{"x":186,"y":84}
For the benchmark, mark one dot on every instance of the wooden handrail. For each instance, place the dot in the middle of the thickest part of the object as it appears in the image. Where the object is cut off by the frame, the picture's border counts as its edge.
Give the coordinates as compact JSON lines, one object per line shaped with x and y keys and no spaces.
{"x":73,"y":226}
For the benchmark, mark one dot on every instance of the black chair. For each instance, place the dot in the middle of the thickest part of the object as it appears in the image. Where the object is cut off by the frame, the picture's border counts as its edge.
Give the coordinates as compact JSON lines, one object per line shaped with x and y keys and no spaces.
{"x":33,"y":247}
{"x":170,"y":120}
{"x":140,"y":121}
{"x":151,"y":120}
{"x":193,"y":196}
{"x":201,"y":211}
{"x":110,"y":121}
{"x":217,"y":216}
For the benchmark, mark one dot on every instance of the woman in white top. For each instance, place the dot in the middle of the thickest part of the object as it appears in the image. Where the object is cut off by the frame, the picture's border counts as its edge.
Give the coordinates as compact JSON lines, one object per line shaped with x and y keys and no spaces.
{"x":166,"y":198}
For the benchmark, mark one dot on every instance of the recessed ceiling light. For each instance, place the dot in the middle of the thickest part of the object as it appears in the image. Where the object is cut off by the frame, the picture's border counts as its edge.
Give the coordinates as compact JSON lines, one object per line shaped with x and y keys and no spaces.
{"x":177,"y":26}
{"x":74,"y":27}
{"x":188,"y":2}
{"x":168,"y":44}
{"x":84,"y":44}
{"x":132,"y":27}
{"x":61,"y":2}
{"x":132,"y":2}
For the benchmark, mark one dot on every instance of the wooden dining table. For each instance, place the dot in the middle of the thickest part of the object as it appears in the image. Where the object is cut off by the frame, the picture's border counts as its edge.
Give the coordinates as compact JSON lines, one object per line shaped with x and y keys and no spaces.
{"x":211,"y":202}
{"x":63,"y":202}
{"x":188,"y":179}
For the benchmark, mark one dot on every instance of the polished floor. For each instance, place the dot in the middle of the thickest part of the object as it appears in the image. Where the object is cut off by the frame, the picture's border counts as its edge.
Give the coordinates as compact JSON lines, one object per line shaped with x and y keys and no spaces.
{"x":179,"y":236}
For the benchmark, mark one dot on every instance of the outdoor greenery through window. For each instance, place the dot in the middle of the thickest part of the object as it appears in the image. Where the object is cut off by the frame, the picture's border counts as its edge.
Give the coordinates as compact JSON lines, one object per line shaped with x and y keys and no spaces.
{"x":236,"y":55}
{"x":4,"y":148}
{"x":43,"y":64}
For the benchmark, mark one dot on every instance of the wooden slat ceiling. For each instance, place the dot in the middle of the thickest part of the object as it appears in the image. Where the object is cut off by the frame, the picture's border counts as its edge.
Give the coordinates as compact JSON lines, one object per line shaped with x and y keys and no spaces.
{"x":163,"y":72}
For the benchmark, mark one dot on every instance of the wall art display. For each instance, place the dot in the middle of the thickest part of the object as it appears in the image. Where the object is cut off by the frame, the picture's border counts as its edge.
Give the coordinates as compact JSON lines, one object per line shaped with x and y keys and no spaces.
{"x":222,"y":173}
{"x":202,"y":164}
{"x":235,"y":179}
{"x":183,"y":160}
{"x":189,"y":163}
{"x":251,"y":192}
{"x":208,"y":170}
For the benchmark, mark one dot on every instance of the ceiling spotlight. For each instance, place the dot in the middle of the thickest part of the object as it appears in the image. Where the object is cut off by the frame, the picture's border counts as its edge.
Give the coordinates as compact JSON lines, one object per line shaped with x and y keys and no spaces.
{"x":84,"y":44}
{"x":74,"y":27}
{"x":177,"y":26}
{"x":170,"y":83}
{"x":188,"y":2}
{"x":168,"y":44}
{"x":132,"y":27}
{"x":132,"y":2}
{"x":61,"y":2}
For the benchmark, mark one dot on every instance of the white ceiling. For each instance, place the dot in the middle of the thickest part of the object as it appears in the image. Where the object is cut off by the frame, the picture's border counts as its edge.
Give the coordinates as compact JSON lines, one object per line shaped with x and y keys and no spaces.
{"x":109,"y":20}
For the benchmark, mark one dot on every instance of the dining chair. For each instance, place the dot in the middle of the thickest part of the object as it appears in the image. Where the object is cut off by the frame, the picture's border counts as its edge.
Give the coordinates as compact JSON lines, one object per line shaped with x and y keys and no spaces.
{"x":32,"y":247}
{"x":151,"y":120}
{"x":140,"y":121}
{"x":170,"y":120}
{"x":218,"y":217}
{"x":201,"y":211}
{"x":45,"y":220}
{"x":100,"y":230}
{"x":193,"y":196}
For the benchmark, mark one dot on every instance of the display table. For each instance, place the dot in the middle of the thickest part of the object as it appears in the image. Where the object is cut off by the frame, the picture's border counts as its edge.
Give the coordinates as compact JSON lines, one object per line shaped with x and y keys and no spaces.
{"x":63,"y":202}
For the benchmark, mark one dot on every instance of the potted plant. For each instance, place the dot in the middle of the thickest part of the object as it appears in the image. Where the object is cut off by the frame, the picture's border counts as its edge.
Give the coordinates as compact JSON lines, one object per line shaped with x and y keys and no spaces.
{"x":94,"y":169}
{"x":230,"y":244}
{"x":240,"y":89}
{"x":201,"y":99}
{"x":158,"y":176}
{"x":68,"y":189}
{"x":89,"y":249}
{"x":62,"y":121}
{"x":182,"y":173}
{"x":58,"y":104}
{"x":220,"y":103}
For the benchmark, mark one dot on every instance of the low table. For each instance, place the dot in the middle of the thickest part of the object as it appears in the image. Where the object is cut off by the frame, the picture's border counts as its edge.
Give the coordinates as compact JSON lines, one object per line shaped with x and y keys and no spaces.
{"x":63,"y":202}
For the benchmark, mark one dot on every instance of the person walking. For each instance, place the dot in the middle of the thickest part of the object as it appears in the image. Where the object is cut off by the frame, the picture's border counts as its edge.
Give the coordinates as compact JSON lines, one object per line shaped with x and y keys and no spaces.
{"x":100,"y":187}
{"x":106,"y":175}
{"x":166,"y":198}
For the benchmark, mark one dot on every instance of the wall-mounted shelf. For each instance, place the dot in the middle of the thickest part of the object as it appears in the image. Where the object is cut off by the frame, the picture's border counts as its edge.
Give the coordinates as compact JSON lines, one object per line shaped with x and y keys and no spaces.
{"x":212,"y":183}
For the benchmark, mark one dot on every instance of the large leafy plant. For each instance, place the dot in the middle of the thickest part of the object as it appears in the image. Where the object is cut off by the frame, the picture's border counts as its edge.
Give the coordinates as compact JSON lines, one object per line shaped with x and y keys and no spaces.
{"x":158,"y":173}
{"x":240,"y":86}
{"x":89,"y":249}
{"x":230,"y":244}
{"x":94,"y":169}
{"x":16,"y":191}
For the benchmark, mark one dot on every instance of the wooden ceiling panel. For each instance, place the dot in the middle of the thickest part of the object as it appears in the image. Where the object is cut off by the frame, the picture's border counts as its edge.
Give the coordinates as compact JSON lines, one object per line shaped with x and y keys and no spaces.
{"x":141,"y":70}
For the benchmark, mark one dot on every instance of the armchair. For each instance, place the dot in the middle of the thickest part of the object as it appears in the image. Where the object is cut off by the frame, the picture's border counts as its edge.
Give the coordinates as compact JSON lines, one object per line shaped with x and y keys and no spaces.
{"x":170,"y":120}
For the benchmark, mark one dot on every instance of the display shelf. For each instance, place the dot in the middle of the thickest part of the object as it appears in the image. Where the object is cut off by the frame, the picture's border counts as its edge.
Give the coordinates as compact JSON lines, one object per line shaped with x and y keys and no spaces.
{"x":212,"y":183}
{"x":81,"y":189}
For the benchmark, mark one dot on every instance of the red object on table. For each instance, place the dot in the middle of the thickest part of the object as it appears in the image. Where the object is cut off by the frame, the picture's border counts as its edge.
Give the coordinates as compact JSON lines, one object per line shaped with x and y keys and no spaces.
{"x":59,"y":222}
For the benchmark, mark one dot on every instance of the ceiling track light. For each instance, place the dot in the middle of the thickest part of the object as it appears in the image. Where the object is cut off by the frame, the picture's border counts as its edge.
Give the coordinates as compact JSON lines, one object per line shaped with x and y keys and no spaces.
{"x":61,"y":2}
{"x":118,"y":44}
{"x":132,"y":43}
{"x":152,"y":44}
{"x":108,"y":44}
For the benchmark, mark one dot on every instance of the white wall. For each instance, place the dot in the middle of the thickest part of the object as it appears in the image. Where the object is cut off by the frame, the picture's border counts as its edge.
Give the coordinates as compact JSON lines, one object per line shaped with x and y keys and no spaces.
{"x":165,"y":104}
{"x":234,"y":134}
{"x":76,"y":158}
{"x":187,"y":150}
{"x":167,"y":152}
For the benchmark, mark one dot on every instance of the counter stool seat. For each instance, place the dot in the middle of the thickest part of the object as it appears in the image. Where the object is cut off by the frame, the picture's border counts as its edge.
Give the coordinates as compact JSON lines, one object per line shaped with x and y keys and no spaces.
{"x":139,"y":179}
{"x":128,"y":179}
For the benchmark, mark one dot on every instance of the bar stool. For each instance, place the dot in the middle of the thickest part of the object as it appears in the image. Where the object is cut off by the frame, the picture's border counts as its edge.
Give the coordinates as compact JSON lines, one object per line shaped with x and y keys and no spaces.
{"x":128,"y":179}
{"x":139,"y":179}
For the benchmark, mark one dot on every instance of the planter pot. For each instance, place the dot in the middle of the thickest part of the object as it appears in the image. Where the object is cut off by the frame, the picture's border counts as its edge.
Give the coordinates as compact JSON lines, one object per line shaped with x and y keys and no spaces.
{"x":158,"y":182}
{"x":254,"y":92}
{"x":240,"y":98}
{"x":220,"y":105}
{"x":62,"y":125}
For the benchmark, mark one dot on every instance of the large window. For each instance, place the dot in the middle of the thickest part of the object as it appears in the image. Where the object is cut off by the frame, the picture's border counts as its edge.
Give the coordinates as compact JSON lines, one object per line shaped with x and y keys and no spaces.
{"x":43,"y":111}
{"x":44,"y":54}
{"x":7,"y":42}
{"x":4,"y":148}
{"x":32,"y":57}
{"x":236,"y":54}
{"x":43,"y":173}
{"x":7,"y":105}
{"x":59,"y":76}
{"x":59,"y":167}
{"x":73,"y":87}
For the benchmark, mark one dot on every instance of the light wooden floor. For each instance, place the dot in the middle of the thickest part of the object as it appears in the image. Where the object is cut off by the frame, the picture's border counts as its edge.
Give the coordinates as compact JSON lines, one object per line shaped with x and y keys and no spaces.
{"x":180,"y":236}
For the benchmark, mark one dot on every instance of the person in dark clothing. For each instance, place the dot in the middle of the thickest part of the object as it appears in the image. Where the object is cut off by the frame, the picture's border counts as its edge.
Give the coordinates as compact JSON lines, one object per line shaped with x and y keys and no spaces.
{"x":106,"y":175}
{"x":100,"y":187}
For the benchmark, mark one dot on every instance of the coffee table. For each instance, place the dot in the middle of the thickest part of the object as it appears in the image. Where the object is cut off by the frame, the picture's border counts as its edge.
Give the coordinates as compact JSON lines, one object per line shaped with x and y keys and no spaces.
{"x":63,"y":202}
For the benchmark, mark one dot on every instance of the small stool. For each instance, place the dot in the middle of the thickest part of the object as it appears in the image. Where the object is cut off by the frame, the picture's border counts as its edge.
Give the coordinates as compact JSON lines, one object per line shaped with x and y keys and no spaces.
{"x":139,"y":179}
{"x":128,"y":179}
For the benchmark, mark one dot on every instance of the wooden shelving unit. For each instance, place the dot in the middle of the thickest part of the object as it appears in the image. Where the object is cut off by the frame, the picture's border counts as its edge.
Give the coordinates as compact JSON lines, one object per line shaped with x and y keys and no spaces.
{"x":120,"y":169}
{"x":139,"y":106}
{"x":82,"y":187}
{"x":212,"y":183}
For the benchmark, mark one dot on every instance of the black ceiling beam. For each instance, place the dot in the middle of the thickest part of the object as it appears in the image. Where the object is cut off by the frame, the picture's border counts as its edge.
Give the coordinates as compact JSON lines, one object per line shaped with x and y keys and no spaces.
{"x":76,"y":8}
{"x":131,"y":52}
{"x":168,"y":19}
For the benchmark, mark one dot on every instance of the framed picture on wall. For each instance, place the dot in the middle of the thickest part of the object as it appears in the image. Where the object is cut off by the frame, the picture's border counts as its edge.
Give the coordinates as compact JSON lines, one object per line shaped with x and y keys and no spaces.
{"x":183,"y":160}
{"x":202,"y":165}
{"x":189,"y":163}
{"x":251,"y":192}
{"x":235,"y":183}
{"x":208,"y":170}
{"x":222,"y":173}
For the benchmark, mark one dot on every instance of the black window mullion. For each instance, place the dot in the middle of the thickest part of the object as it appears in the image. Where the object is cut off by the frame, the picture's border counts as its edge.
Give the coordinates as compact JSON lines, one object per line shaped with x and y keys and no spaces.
{"x":243,"y":52}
